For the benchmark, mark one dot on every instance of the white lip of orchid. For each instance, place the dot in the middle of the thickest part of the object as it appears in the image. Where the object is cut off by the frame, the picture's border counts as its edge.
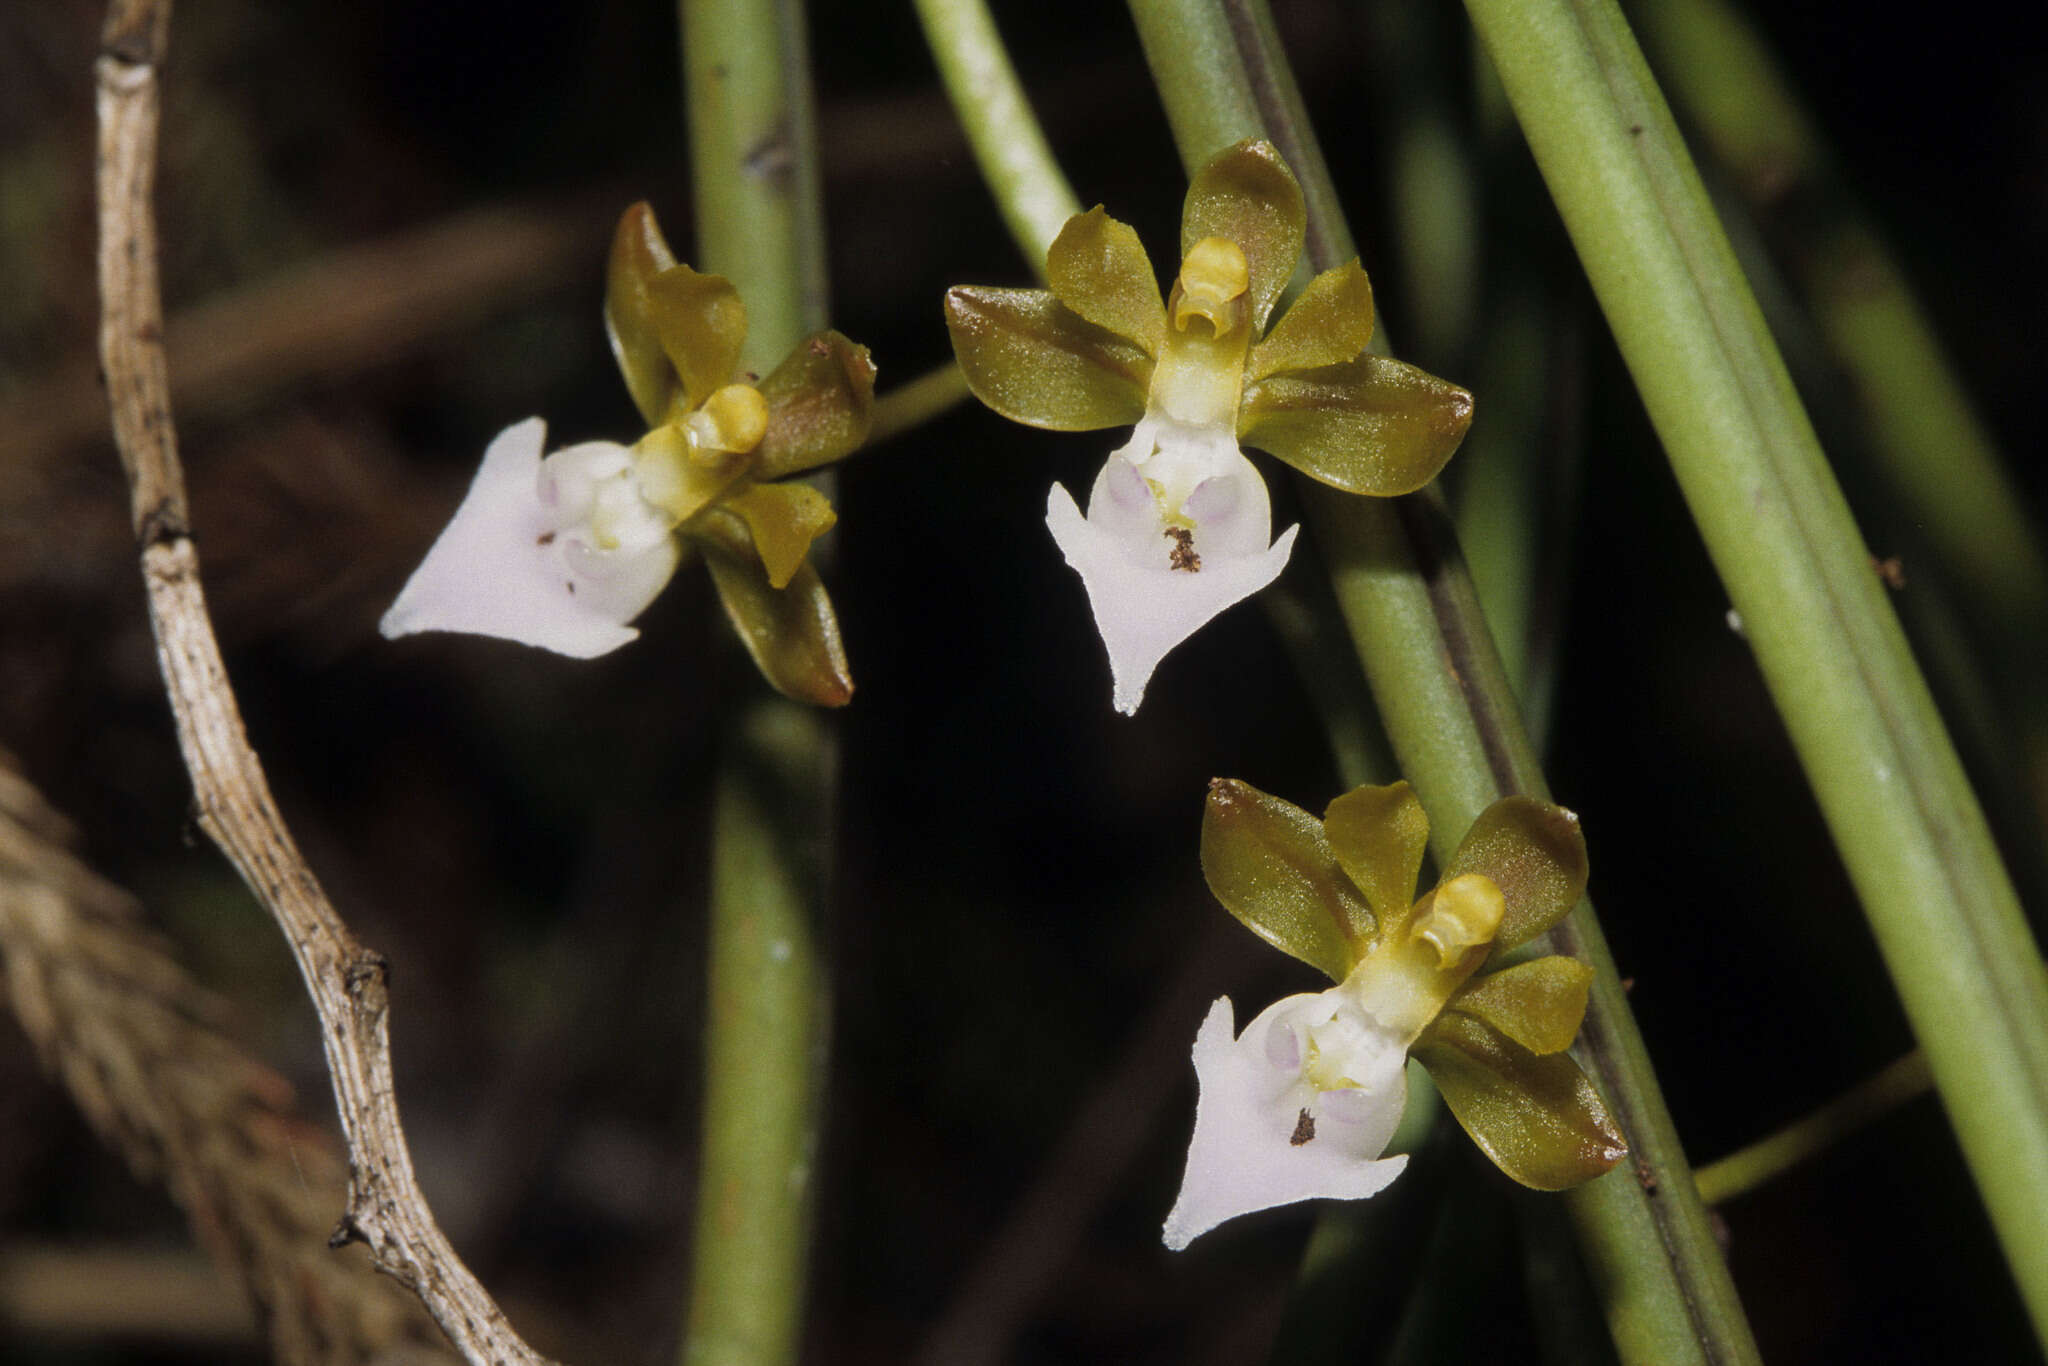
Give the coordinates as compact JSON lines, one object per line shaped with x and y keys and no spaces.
{"x":1298,"y":1107}
{"x":560,"y":553}
{"x":1176,"y":531}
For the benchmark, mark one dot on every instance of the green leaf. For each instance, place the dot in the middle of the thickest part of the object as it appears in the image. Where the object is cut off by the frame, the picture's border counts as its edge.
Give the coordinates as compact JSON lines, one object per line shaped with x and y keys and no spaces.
{"x":821,"y":400}
{"x":1248,"y":196}
{"x":1536,"y":853}
{"x":639,"y":253}
{"x":1098,"y":268}
{"x":1371,"y":425}
{"x":1270,"y":865}
{"x":791,"y":632}
{"x":783,"y":519}
{"x":1036,"y":361}
{"x":1329,"y":324}
{"x":702,"y":325}
{"x":1539,"y":1004}
{"x":1537,"y":1117}
{"x":1379,"y":835}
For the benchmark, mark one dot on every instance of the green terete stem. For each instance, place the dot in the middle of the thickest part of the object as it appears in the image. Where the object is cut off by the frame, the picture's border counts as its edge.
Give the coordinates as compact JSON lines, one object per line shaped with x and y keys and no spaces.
{"x":1409,"y":601}
{"x":1889,"y":784}
{"x":760,"y":224}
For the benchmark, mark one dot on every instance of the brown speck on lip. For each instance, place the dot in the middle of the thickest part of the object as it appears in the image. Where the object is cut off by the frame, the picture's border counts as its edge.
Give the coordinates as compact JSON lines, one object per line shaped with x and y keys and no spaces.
{"x":1304,"y":1129}
{"x":546,"y":538}
{"x":1183,"y":555}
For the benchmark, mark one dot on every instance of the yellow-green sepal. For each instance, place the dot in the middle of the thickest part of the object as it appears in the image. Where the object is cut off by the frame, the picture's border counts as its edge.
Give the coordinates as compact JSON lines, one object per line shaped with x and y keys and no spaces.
{"x":1098,"y":269}
{"x":1329,"y":323}
{"x":783,"y":519}
{"x":673,"y":477}
{"x":1371,"y":425}
{"x":1270,"y":864}
{"x":1036,"y":361}
{"x":821,"y":401}
{"x":1247,"y":195}
{"x":1536,"y":853}
{"x":791,"y":632}
{"x":1538,"y":1004}
{"x":702,"y":325}
{"x":639,"y":253}
{"x":1379,"y":835}
{"x":1535,"y":1115}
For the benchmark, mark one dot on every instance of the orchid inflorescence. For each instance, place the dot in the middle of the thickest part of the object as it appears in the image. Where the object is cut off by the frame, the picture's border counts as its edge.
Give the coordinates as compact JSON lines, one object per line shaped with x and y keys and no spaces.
{"x":563,"y":551}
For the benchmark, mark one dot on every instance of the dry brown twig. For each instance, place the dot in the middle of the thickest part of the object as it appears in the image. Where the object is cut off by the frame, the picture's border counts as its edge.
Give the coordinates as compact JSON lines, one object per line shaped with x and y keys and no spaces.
{"x":347,"y":981}
{"x":136,"y":1044}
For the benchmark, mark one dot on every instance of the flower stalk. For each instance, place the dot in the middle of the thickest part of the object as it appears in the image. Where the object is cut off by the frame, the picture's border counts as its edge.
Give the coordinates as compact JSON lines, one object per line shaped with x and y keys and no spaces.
{"x":1894,"y":795}
{"x":760,"y":223}
{"x":1410,"y":604}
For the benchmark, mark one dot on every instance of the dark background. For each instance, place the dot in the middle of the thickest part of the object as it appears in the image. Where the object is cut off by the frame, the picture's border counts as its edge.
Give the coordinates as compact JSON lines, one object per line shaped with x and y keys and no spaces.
{"x":1019,"y":922}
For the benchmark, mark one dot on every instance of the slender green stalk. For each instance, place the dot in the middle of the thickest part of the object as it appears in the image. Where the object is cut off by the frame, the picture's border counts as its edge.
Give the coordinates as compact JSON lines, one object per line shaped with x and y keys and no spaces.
{"x":1947,"y":469}
{"x":1009,"y":145}
{"x":1903,"y":817}
{"x":754,"y":166}
{"x":1451,"y":714}
{"x":1917,"y":420}
{"x":752,"y":151}
{"x":1810,"y":1135}
{"x":917,"y":402}
{"x":764,"y":1044}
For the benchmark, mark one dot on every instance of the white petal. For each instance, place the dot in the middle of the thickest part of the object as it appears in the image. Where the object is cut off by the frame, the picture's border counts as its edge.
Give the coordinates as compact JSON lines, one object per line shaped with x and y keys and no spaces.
{"x":1143,"y":606}
{"x":500,"y":567}
{"x":1253,"y":1103}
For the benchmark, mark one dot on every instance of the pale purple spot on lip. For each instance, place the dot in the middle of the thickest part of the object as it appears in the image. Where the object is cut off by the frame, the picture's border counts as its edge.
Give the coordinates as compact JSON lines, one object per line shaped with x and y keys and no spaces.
{"x":1127,"y":486}
{"x":1214,"y":498}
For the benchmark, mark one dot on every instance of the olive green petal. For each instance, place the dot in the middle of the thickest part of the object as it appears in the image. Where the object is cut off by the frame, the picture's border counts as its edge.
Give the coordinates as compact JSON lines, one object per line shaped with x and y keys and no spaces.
{"x":1538,"y":1004}
{"x":791,"y":632}
{"x":1371,"y":425}
{"x":783,"y":519}
{"x":1536,"y":853}
{"x":1538,"y":1118}
{"x":821,"y":402}
{"x":1329,"y":324}
{"x":639,"y":253}
{"x":1269,"y":864}
{"x":1097,"y":268}
{"x":1036,"y":361}
{"x":702,"y":325}
{"x":1379,"y":835}
{"x":1248,"y":196}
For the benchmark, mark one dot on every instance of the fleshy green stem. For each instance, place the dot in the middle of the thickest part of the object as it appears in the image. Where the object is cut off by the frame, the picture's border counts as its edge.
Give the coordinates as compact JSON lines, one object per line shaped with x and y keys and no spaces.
{"x":760,"y":224}
{"x":1745,"y":1169}
{"x":917,"y":402}
{"x":1888,"y":782}
{"x":1412,"y":610}
{"x":1928,"y":442}
{"x":1008,"y":144}
{"x":754,"y":167}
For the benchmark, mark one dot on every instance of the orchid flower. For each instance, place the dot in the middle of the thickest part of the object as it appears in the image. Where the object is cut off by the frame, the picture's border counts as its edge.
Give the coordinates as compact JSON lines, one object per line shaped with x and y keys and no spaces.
{"x":1302,"y":1104}
{"x":1178,"y":521}
{"x":563,"y":551}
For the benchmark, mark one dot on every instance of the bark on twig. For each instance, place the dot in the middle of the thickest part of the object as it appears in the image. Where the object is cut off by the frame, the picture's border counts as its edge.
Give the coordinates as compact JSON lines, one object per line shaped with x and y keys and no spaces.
{"x":137,"y":1045}
{"x":385,"y":1208}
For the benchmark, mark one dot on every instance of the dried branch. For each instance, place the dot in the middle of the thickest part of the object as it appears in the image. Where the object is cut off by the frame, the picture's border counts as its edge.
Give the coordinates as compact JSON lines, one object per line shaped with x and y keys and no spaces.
{"x":347,"y":981}
{"x":137,"y":1045}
